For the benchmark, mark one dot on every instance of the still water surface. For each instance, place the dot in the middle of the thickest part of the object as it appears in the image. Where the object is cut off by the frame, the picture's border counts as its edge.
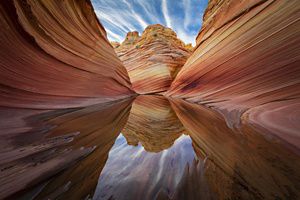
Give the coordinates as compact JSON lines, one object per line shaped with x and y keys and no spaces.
{"x":149,"y":147}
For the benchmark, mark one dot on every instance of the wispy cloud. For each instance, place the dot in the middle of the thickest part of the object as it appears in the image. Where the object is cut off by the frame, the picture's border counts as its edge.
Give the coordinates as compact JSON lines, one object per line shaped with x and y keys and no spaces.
{"x":166,"y":13}
{"x":142,"y":23}
{"x":113,"y":36}
{"x":187,"y":13}
{"x":122,"y":16}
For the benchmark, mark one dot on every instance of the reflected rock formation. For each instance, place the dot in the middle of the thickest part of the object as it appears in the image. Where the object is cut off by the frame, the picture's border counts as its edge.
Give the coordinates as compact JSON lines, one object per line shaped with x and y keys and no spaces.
{"x":146,"y":148}
{"x":240,"y":163}
{"x":153,"y":158}
{"x":62,"y":139}
{"x":55,"y":54}
{"x":152,"y":59}
{"x":152,"y":123}
{"x":247,"y":60}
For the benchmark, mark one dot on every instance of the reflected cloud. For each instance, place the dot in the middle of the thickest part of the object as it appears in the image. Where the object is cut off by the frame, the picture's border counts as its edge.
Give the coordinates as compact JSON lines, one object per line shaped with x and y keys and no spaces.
{"x":131,"y":172}
{"x":149,"y":147}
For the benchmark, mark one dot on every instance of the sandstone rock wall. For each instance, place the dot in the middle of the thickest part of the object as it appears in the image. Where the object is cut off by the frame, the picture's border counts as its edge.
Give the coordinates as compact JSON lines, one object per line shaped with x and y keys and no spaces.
{"x":55,"y":54}
{"x":152,"y":59}
{"x":247,"y":58}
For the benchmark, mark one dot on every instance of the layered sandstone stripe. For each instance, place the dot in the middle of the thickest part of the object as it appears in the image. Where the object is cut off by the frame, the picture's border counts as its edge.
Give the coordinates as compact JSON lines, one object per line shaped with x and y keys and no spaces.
{"x":55,"y":54}
{"x":152,"y":59}
{"x":247,"y":59}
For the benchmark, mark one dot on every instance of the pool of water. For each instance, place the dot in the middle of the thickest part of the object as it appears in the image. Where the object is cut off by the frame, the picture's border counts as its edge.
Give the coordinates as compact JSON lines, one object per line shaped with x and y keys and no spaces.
{"x":147,"y":147}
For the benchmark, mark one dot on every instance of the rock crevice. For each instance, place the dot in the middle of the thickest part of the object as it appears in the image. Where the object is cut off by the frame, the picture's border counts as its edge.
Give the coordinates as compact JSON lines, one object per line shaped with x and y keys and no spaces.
{"x":152,"y":59}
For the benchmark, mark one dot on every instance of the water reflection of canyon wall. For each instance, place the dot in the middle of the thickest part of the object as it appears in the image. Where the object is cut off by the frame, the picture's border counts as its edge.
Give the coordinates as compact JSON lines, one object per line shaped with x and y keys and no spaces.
{"x":74,"y":140}
{"x":153,"y":123}
{"x":168,"y":149}
{"x":241,"y":163}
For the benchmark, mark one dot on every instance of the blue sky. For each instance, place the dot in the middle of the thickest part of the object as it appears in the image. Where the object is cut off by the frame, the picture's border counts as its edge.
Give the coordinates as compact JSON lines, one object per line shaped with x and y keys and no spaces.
{"x":121,"y":16}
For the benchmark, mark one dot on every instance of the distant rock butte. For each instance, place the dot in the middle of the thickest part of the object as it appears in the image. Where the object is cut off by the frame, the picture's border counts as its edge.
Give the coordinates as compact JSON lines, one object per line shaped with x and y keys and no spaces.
{"x":152,"y":59}
{"x":246,"y":64}
{"x":55,"y":54}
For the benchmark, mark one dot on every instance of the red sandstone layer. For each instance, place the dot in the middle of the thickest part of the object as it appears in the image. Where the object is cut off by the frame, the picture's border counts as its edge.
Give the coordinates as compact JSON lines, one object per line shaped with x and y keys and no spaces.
{"x":152,"y":59}
{"x":247,"y":56}
{"x":55,"y":54}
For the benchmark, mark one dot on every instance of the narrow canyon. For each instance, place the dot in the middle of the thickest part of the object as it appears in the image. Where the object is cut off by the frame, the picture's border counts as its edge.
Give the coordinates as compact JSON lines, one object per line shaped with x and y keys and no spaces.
{"x":151,"y":117}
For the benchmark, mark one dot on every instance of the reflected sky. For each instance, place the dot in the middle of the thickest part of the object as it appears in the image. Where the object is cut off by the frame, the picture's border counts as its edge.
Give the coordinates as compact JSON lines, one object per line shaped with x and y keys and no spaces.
{"x":147,"y":147}
{"x":143,"y":174}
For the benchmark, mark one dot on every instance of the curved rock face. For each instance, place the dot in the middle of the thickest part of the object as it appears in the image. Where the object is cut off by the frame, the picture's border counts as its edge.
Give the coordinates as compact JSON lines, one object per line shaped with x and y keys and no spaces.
{"x":55,"y":54}
{"x":153,"y":59}
{"x":247,"y":55}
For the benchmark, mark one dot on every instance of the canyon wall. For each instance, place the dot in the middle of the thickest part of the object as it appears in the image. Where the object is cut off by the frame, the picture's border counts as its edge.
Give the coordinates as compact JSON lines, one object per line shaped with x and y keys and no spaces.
{"x":152,"y":59}
{"x":247,"y":65}
{"x":55,"y":54}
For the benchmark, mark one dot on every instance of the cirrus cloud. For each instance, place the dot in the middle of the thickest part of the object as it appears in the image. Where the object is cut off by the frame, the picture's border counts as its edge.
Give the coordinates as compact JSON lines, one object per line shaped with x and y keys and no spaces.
{"x":121,"y":16}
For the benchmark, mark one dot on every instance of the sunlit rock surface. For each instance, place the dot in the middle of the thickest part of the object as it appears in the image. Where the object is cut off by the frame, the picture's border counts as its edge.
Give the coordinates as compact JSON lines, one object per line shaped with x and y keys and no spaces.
{"x":55,"y":54}
{"x":152,"y":59}
{"x":246,"y":64}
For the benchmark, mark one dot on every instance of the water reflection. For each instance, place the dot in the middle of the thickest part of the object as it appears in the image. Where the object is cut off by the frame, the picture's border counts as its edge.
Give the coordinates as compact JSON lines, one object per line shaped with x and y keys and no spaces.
{"x":143,"y":148}
{"x":131,"y":172}
{"x":153,"y":123}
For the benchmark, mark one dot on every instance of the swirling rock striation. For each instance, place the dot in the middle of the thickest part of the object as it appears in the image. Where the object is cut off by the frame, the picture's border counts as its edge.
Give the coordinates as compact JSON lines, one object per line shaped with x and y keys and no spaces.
{"x":55,"y":54}
{"x":152,"y":59}
{"x":247,"y":58}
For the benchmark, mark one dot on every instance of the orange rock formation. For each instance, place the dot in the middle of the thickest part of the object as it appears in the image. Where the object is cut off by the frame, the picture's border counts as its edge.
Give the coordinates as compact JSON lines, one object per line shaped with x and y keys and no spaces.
{"x":153,"y":59}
